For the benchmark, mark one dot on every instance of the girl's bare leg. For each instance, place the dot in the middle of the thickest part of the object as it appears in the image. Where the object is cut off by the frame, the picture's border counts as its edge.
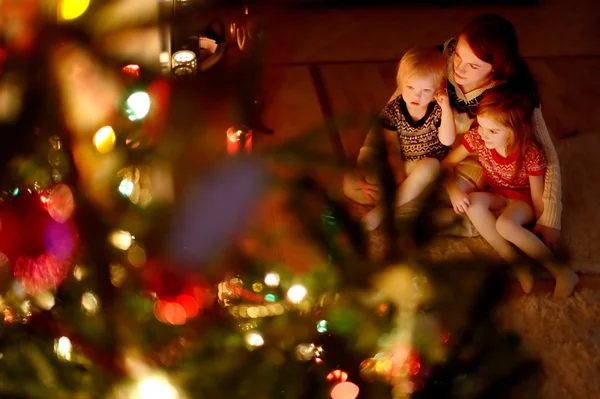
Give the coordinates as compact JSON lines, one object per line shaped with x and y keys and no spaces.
{"x":420,"y":174}
{"x":510,"y":226}
{"x":480,"y":213}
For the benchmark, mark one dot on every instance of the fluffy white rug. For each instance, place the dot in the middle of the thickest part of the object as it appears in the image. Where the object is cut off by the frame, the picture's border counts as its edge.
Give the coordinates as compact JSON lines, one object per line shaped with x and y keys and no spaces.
{"x":565,"y":335}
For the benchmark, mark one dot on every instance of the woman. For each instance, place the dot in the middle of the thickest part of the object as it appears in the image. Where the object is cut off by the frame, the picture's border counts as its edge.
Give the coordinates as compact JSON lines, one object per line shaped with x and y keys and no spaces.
{"x":484,"y":55}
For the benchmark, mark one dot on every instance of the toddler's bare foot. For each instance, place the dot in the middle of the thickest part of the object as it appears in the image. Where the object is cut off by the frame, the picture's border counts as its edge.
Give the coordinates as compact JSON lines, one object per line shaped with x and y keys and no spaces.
{"x":373,"y":218}
{"x":566,"y":281}
{"x":523,"y":274}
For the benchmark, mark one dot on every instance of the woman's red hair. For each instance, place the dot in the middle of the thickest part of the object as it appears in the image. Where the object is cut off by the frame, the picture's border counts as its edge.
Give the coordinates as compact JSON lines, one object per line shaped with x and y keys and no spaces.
{"x":493,"y":39}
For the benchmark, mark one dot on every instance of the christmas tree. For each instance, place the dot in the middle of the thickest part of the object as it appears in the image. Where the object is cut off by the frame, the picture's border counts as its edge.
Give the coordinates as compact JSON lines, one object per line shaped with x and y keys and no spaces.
{"x":130,"y":268}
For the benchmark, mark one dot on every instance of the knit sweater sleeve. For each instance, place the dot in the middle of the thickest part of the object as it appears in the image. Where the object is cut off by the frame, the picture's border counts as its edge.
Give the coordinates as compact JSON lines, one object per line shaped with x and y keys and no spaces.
{"x":552,"y":197}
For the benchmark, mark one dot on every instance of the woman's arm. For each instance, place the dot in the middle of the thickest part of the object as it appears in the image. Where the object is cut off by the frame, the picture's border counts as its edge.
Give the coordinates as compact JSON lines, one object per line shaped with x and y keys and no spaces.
{"x":552,"y":197}
{"x":537,"y":191}
{"x":549,"y":223}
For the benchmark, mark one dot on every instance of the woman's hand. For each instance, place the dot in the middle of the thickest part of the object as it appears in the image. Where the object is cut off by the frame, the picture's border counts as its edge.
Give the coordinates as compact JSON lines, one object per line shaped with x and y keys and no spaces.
{"x":460,"y":200}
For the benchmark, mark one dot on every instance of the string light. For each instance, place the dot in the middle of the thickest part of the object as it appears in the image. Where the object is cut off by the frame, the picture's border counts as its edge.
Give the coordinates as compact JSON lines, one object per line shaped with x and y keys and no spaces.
{"x":105,"y":139}
{"x":272,"y":279}
{"x":90,"y":302}
{"x":121,"y":239}
{"x":156,"y":387}
{"x":322,"y":326}
{"x":72,"y":9}
{"x":254,"y":339}
{"x":63,"y":348}
{"x":345,"y":390}
{"x":296,"y":293}
{"x":138,"y":105}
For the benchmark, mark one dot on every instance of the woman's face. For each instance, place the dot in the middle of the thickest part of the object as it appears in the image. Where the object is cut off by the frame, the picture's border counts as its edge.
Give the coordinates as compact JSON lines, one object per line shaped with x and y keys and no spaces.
{"x":468,"y":69}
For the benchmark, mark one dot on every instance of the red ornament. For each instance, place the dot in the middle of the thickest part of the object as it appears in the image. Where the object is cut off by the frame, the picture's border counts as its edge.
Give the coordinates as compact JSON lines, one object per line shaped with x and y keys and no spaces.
{"x":42,"y":273}
{"x":39,"y":248}
{"x":132,"y":70}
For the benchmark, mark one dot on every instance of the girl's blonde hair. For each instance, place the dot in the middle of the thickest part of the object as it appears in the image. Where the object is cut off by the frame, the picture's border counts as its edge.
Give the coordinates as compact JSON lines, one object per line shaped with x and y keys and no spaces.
{"x":423,"y":61}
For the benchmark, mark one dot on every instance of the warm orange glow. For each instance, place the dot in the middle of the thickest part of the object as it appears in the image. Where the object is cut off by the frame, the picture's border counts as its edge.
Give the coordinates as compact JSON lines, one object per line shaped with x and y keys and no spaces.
{"x":345,"y":390}
{"x":337,"y":375}
{"x":8,"y":317}
{"x":189,"y":304}
{"x":132,"y":70}
{"x":175,"y":314}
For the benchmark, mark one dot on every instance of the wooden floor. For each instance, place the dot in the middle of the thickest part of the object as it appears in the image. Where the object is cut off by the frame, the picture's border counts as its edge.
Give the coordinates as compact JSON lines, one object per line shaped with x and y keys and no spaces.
{"x":333,"y":63}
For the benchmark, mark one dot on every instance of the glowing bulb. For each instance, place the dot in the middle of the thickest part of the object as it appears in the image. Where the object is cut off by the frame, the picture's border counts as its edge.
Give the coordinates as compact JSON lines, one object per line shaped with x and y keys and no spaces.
{"x":272,"y":279}
{"x":90,"y":302}
{"x":345,"y":390}
{"x":184,"y":56}
{"x":79,"y":272}
{"x":322,"y":326}
{"x":121,"y":239}
{"x":270,"y":298}
{"x":254,"y":339}
{"x":105,"y":139}
{"x":71,"y":9}
{"x":138,"y":105}
{"x":156,"y":388}
{"x":45,"y":300}
{"x":126,"y":187}
{"x":132,"y":70}
{"x":296,"y":293}
{"x":63,"y":348}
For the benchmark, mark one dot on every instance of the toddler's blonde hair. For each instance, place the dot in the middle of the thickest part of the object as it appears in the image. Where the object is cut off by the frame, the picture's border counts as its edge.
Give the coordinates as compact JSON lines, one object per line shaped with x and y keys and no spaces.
{"x":422,"y":61}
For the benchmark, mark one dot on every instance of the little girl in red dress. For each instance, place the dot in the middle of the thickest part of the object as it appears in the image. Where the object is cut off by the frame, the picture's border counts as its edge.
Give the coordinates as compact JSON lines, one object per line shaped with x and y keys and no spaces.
{"x":513,"y":165}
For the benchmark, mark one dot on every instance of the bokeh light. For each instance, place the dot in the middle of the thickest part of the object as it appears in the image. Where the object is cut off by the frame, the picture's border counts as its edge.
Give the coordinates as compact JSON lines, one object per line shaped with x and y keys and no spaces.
{"x":337,"y":375}
{"x":345,"y":390}
{"x":322,"y":326}
{"x":272,"y":279}
{"x":126,"y":187}
{"x":90,"y":302}
{"x":71,"y":9}
{"x":254,"y":339}
{"x":105,"y":139}
{"x":138,"y":105}
{"x":270,"y":298}
{"x":156,"y":388}
{"x":132,"y":70}
{"x":63,"y":348}
{"x":296,"y":293}
{"x":60,"y":203}
{"x":121,"y":239}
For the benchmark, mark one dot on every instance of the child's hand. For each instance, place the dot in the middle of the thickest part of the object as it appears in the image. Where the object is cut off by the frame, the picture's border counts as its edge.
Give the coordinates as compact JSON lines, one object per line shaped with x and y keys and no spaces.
{"x":442,"y":99}
{"x":460,"y":200}
{"x":371,"y":191}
